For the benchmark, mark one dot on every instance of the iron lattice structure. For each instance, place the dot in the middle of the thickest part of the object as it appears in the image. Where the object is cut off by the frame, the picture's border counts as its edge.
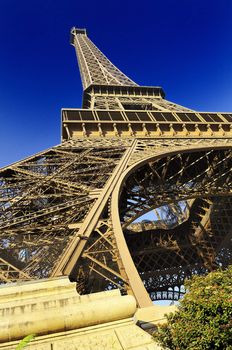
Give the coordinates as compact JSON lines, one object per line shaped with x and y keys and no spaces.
{"x":137,"y":196}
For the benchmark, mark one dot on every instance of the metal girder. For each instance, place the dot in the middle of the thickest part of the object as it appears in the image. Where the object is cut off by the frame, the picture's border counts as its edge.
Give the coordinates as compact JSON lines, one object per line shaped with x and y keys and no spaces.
{"x":11,"y":273}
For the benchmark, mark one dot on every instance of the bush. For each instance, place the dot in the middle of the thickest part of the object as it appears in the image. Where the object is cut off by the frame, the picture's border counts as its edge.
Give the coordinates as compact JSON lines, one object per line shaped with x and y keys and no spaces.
{"x":204,"y":316}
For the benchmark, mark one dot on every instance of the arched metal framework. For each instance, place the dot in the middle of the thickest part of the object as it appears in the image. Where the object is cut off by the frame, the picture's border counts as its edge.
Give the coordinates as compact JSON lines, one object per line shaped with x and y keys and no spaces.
{"x":137,"y":196}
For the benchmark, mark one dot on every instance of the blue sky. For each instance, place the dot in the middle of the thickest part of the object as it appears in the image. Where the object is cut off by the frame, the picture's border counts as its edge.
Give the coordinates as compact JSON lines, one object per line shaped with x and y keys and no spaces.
{"x":185,"y":46}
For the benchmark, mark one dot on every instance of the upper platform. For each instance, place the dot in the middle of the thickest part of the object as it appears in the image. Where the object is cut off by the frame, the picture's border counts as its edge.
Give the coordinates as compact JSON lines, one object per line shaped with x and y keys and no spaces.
{"x":83,"y":123}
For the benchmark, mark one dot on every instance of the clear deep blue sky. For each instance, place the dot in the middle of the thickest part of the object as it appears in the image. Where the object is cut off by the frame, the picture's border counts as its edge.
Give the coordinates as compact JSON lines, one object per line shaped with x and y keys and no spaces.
{"x":185,"y":46}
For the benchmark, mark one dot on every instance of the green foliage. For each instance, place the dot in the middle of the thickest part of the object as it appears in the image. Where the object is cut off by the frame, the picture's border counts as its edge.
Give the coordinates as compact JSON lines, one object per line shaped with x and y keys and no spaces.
{"x":203,"y":320}
{"x":25,"y":341}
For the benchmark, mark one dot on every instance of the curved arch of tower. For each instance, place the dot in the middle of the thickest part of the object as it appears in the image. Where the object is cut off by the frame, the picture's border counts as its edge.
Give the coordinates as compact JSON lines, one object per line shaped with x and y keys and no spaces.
{"x":136,"y":197}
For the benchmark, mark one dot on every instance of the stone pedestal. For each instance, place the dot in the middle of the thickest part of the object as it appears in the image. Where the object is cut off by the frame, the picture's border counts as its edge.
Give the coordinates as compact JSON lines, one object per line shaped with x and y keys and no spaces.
{"x":62,"y":319}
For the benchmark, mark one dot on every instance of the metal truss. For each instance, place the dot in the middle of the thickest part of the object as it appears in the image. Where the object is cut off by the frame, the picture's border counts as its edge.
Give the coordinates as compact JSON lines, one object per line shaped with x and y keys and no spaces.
{"x":176,"y":178}
{"x":99,"y":264}
{"x":186,"y":236}
{"x":41,"y":197}
{"x":124,"y":102}
{"x":95,"y":68}
{"x":136,"y":197}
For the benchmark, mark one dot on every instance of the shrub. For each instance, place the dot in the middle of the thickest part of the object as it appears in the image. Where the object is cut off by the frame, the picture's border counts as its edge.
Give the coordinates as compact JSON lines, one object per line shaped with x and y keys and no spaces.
{"x":204,"y":316}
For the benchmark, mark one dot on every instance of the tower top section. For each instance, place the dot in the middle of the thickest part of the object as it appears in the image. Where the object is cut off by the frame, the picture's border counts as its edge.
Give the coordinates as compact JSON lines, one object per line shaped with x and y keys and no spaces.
{"x":95,"y":68}
{"x":76,"y":31}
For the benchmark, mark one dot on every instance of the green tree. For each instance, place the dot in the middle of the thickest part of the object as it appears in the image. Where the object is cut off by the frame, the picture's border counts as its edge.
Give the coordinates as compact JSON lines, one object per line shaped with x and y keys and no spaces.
{"x":204,"y":316}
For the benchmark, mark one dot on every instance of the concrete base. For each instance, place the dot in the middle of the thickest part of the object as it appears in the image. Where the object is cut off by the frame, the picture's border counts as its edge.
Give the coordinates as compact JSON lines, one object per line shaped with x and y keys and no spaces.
{"x":62,"y":319}
{"x":119,"y":335}
{"x":149,"y":317}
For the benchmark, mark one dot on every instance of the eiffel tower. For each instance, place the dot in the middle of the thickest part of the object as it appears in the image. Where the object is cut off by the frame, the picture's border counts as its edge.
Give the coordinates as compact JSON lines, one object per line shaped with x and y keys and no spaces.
{"x":136,"y":197}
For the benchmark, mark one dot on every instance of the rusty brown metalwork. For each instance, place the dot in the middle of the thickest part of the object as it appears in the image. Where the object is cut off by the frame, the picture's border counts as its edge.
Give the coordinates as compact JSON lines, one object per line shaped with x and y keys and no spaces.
{"x":136,"y":197}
